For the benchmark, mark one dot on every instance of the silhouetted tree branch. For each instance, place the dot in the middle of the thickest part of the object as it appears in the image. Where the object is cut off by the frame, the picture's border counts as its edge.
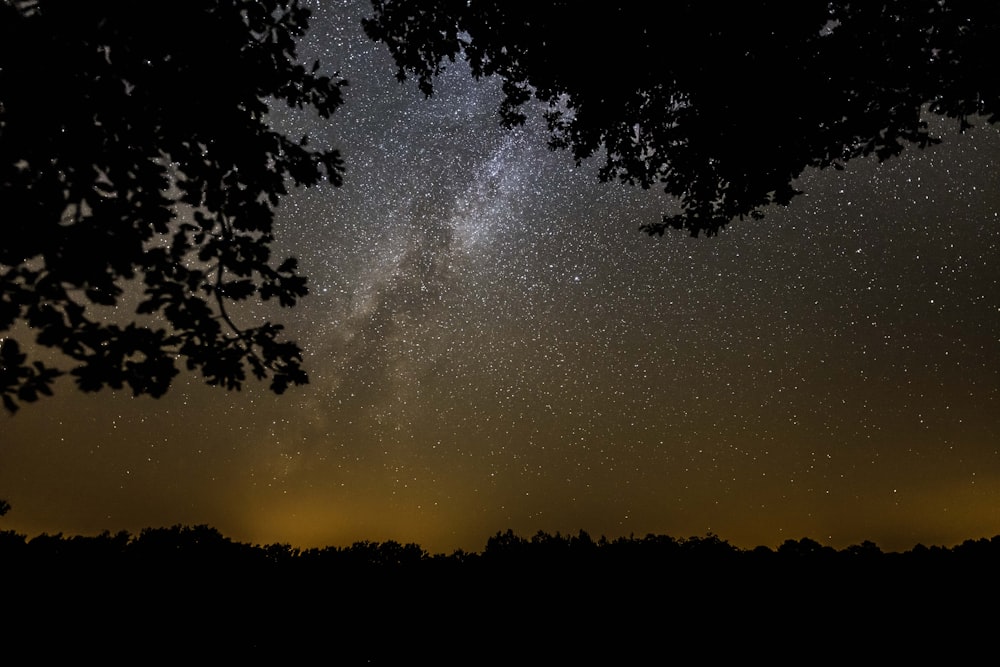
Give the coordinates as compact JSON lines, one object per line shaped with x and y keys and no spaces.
{"x":722,"y":105}
{"x":136,"y":150}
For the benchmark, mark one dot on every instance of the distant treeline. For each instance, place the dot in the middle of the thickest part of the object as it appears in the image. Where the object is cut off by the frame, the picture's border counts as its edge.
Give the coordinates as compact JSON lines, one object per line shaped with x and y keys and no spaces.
{"x":551,"y":597}
{"x":204,"y":545}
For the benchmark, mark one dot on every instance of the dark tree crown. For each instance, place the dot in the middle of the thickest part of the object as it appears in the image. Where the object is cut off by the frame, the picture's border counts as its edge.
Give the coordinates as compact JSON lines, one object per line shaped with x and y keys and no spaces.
{"x":723,"y":105}
{"x":136,"y":150}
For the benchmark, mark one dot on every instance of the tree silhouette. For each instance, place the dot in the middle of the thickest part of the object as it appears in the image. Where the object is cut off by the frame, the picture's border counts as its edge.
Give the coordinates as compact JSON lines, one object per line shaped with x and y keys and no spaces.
{"x":168,"y":588}
{"x":723,"y":106}
{"x":137,"y":166}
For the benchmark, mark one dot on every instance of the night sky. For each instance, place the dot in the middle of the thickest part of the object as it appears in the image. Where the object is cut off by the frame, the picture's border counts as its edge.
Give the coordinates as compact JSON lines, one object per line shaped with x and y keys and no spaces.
{"x":493,"y":344}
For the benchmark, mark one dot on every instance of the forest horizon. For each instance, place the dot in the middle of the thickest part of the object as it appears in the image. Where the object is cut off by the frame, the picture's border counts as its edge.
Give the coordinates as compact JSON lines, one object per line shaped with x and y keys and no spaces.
{"x":550,"y":597}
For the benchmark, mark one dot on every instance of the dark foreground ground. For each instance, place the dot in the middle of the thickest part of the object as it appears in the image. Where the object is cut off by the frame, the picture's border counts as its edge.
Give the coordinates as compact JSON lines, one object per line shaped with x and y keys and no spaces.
{"x":191,"y":595}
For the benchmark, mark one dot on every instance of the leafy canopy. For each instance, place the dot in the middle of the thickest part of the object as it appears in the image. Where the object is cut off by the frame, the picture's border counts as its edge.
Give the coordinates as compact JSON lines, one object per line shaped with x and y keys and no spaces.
{"x":136,"y":153}
{"x":723,"y":105}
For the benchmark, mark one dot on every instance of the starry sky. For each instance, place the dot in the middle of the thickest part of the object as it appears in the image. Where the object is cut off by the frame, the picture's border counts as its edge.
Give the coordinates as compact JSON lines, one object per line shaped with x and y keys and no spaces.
{"x":493,"y":344}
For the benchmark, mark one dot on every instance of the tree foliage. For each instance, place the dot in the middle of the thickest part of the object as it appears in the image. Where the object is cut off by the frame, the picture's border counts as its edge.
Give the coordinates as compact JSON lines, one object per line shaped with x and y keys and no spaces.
{"x":137,"y":165}
{"x":722,"y":105}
